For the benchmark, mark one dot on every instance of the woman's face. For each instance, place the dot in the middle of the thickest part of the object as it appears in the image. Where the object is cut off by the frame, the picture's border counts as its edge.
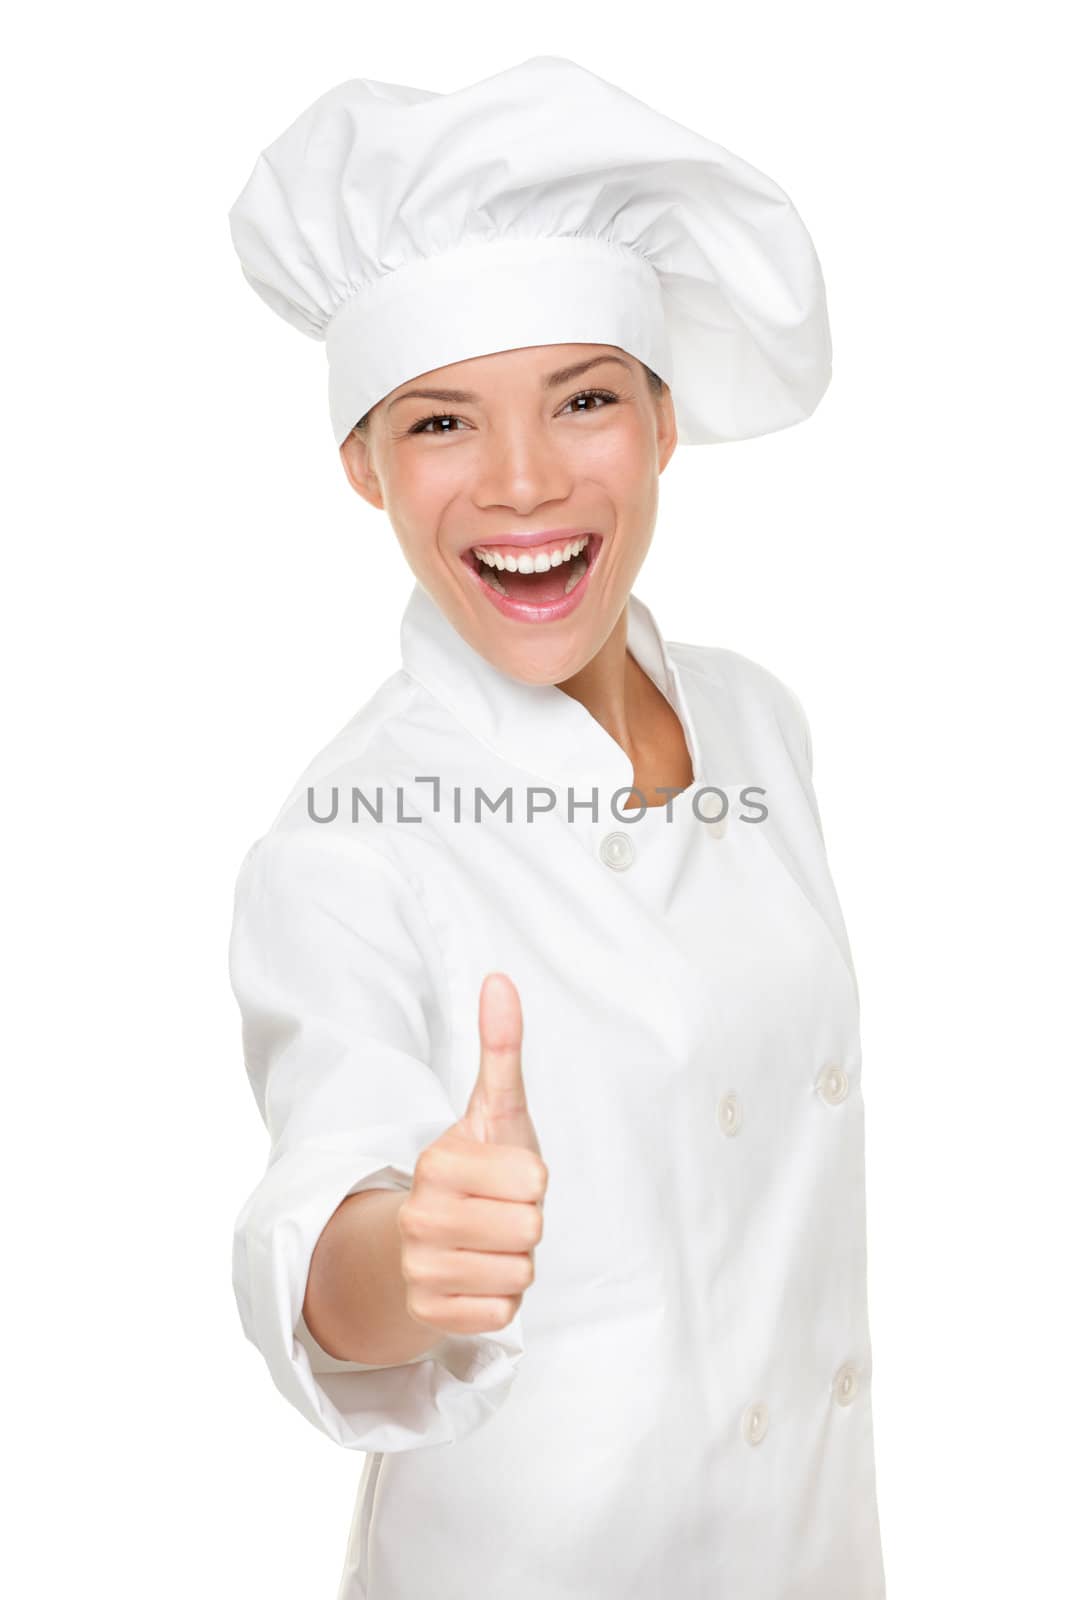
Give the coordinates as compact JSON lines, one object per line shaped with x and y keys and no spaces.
{"x":522,"y":453}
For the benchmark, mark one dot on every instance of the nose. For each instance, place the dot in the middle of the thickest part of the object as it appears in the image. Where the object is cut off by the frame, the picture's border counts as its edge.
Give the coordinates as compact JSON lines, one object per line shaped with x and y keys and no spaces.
{"x":521,"y":468}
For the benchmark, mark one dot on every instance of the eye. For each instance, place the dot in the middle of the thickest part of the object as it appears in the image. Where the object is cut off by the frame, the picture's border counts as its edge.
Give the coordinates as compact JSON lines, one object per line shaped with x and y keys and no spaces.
{"x":593,"y":394}
{"x":425,"y":424}
{"x":428,"y":423}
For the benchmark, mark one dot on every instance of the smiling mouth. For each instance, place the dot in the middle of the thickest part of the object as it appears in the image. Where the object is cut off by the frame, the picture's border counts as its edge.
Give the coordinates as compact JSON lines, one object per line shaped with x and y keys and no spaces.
{"x":535,"y":581}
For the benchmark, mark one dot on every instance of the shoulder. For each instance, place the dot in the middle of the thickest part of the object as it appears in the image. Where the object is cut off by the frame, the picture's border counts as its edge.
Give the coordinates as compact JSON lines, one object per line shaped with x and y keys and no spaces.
{"x":753,"y":689}
{"x":366,"y":746}
{"x":371,"y":754}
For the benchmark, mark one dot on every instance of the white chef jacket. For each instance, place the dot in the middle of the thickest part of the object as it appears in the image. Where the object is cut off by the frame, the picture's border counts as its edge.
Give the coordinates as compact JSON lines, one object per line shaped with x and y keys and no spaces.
{"x":681,"y":1409}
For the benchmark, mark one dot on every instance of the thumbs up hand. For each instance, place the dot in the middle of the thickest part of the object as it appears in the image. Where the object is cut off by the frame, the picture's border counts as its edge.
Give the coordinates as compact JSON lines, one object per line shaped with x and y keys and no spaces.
{"x":474,"y":1213}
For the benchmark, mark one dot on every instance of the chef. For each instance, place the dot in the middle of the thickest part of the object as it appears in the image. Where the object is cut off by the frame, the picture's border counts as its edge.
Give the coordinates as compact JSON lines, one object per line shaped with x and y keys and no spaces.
{"x":552,"y":911}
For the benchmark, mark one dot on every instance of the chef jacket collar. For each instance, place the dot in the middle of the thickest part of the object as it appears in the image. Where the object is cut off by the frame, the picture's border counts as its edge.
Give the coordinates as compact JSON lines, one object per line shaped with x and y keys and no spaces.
{"x":538,"y":728}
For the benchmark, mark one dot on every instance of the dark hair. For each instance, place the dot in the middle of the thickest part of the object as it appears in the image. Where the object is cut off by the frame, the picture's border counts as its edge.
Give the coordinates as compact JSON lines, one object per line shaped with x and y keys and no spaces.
{"x":655,"y":383}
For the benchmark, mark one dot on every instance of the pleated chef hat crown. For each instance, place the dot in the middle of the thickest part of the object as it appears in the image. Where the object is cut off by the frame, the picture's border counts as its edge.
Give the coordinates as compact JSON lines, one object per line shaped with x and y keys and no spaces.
{"x":410,"y":229}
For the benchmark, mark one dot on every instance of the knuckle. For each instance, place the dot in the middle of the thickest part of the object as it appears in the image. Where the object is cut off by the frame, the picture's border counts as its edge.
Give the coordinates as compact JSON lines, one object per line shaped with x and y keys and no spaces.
{"x":413,"y":1221}
{"x":433,"y":1313}
{"x":500,"y":1312}
{"x":419,"y":1267}
{"x":428,"y":1164}
{"x":419,"y":1305}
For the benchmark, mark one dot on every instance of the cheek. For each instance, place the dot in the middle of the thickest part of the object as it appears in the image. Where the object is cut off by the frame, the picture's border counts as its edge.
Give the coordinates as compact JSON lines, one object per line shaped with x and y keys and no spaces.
{"x":619,"y":457}
{"x":420,"y":491}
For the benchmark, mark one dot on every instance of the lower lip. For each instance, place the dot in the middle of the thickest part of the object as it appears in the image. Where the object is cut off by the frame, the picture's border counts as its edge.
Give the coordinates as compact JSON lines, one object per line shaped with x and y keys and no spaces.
{"x":552,"y":610}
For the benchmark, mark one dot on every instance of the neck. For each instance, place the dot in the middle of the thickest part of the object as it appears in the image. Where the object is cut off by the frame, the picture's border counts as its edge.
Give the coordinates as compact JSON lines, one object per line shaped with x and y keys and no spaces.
{"x":641,"y":720}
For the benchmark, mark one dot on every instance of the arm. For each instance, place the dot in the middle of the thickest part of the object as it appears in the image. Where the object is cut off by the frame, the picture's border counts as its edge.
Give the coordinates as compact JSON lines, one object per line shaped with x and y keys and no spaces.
{"x":336,"y":976}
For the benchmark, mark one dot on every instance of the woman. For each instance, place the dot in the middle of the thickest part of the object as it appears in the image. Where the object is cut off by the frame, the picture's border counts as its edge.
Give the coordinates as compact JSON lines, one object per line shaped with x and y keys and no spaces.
{"x":541,"y":961}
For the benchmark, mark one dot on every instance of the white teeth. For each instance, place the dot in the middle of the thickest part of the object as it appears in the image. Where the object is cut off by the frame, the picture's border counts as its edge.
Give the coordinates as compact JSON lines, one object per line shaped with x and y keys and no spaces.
{"x":494,"y":559}
{"x":526,"y":563}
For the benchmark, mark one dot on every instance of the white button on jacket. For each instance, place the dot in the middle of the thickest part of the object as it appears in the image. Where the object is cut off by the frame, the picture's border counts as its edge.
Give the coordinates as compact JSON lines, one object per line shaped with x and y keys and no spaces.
{"x":682,"y":1408}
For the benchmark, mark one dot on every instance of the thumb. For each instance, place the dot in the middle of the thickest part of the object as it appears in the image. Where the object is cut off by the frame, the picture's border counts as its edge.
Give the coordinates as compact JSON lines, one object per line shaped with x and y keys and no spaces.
{"x":497,"y":1111}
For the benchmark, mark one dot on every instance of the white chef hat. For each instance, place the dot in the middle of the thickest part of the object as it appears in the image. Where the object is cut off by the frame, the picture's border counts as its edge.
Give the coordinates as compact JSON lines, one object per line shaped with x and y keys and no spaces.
{"x":410,"y":229}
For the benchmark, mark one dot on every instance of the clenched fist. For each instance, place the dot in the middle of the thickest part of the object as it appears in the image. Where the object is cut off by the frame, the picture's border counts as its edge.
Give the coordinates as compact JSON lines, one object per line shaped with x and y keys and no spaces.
{"x":473,"y":1214}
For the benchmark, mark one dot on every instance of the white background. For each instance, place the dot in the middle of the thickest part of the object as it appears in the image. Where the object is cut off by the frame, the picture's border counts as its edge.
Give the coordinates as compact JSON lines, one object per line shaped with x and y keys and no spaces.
{"x":195,"y":601}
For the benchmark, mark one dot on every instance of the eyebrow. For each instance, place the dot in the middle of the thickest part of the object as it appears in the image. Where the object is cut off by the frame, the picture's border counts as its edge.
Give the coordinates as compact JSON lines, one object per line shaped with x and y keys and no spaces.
{"x":552,"y":380}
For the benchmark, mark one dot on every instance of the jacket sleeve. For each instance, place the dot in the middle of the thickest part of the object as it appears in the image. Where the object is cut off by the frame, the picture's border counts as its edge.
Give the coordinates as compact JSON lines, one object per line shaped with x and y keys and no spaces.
{"x":332,"y":963}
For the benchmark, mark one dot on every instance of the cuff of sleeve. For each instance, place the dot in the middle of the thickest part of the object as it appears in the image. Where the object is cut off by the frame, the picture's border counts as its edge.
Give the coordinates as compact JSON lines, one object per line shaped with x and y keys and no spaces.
{"x":435,"y":1398}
